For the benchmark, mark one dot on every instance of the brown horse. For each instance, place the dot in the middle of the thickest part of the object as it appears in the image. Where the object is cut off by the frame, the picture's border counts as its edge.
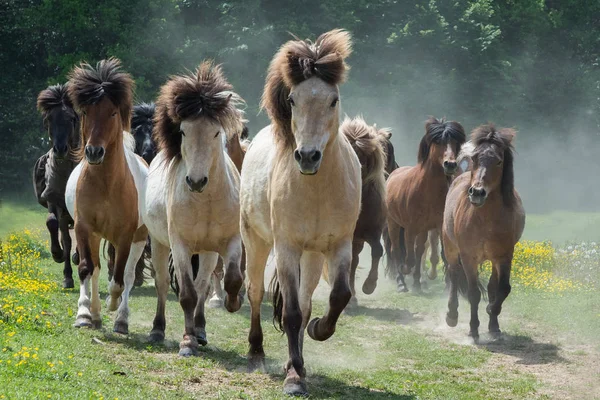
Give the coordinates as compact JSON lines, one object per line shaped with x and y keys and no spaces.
{"x":52,"y":170}
{"x":369,"y":144}
{"x":483,"y":220}
{"x":415,"y":195}
{"x":105,"y":191}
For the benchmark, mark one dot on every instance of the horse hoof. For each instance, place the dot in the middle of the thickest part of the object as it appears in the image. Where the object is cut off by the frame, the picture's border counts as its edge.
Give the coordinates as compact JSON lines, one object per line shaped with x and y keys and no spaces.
{"x":121,"y":327}
{"x":295,"y":386}
{"x":83,"y":322}
{"x":496,"y":334}
{"x":187,"y":352}
{"x":432,"y":276}
{"x":451,"y":322}
{"x":201,"y":336}
{"x":156,"y":336}
{"x":68,"y":283}
{"x":235,"y":304}
{"x":256,"y":362}
{"x":75,"y":258}
{"x":97,"y":324}
{"x":369,"y":286}
{"x":215,"y":302}
{"x":401,"y":288}
{"x":475,"y":335}
{"x":314,"y":333}
{"x":58,"y":257}
{"x":424,"y":285}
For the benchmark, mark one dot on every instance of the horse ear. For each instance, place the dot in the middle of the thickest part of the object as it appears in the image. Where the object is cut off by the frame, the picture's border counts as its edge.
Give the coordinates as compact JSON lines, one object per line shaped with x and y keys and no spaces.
{"x":228,"y":98}
{"x":386,"y":133}
{"x":508,"y":133}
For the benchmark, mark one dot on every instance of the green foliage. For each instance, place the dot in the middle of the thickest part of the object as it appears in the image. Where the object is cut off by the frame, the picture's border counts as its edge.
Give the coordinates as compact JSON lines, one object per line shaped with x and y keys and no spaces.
{"x":530,"y":64}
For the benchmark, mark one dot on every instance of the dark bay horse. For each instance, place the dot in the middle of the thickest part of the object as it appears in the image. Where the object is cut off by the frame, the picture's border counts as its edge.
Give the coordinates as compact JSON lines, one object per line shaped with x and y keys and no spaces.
{"x":105,"y":190}
{"x":415,"y":195}
{"x":52,"y":170}
{"x":370,"y":145}
{"x":483,"y":220}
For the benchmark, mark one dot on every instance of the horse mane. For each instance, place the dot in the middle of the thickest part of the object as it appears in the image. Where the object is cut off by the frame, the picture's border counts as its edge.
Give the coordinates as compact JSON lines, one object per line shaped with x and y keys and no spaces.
{"x":368,"y":143}
{"x":296,"y":61}
{"x":466,"y":151}
{"x":440,"y":131}
{"x":89,"y":85}
{"x":245,"y":133}
{"x":128,"y":141}
{"x":51,"y":97}
{"x":142,"y":113}
{"x":502,"y":138}
{"x":203,"y":93}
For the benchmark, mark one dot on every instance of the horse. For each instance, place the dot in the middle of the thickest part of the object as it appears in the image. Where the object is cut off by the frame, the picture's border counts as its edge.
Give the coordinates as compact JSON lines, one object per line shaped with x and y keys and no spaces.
{"x":415,"y":195}
{"x":52,"y":170}
{"x":369,"y":143}
{"x":141,"y":129}
{"x":300,"y":194}
{"x":483,"y":220}
{"x":192,"y":194}
{"x":105,"y":191}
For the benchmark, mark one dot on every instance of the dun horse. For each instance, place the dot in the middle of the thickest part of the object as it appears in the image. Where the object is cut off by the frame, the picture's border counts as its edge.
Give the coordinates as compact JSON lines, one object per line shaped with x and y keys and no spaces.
{"x":369,"y":143}
{"x":52,"y":170}
{"x":483,"y":220}
{"x":415,"y":195}
{"x":104,"y":192}
{"x":300,"y":194}
{"x":193,"y":192}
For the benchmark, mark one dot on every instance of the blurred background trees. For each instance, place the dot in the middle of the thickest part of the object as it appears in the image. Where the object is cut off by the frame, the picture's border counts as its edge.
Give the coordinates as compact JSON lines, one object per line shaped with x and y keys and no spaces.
{"x":530,"y":64}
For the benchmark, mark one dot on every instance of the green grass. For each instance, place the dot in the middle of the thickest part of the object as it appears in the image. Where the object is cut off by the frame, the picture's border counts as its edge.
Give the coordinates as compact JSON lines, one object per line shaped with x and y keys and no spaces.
{"x":563,"y":226}
{"x":21,"y":213}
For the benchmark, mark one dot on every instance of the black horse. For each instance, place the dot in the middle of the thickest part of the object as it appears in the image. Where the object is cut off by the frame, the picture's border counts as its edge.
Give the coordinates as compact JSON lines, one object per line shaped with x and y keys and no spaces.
{"x":141,"y":129}
{"x":52,"y":170}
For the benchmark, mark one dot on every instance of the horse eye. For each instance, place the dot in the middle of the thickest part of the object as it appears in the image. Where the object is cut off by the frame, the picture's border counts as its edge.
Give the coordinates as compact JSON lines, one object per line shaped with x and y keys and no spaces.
{"x":217,"y":134}
{"x":334,"y":102}
{"x":113,"y":114}
{"x":84,"y":112}
{"x":500,"y":163}
{"x":181,"y":132}
{"x":291,"y":100}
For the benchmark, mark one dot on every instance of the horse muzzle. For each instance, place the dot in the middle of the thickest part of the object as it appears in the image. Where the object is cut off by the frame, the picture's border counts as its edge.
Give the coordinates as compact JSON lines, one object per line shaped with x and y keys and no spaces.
{"x":196,"y":186}
{"x":308,"y":161}
{"x":477,"y":196}
{"x":94,"y":154}
{"x":450,"y":167}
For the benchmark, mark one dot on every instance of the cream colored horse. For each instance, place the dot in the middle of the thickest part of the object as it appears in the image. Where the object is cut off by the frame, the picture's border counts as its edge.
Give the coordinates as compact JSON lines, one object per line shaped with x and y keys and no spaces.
{"x":192,"y":196}
{"x":300,"y":194}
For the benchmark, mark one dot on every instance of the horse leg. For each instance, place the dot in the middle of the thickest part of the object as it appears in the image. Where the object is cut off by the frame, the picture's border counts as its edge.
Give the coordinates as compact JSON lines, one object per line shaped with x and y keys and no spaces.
{"x":188,"y":298}
{"x":470,"y":268}
{"x":111,"y":261}
{"x":257,"y":253}
{"x":311,"y":265}
{"x":423,"y":263}
{"x":136,"y":248}
{"x":207,"y":264}
{"x":434,"y":257}
{"x":96,"y":304}
{"x":67,"y":243}
{"x":85,"y":271}
{"x":216,"y":301}
{"x":410,"y":238}
{"x":453,"y":273}
{"x":339,"y":265}
{"x":160,"y":261}
{"x":287,"y":258}
{"x":52,"y":224}
{"x":421,"y":239}
{"x":376,"y":253}
{"x":357,"y":246}
{"x":140,"y":266}
{"x":233,"y":279}
{"x":396,"y":254}
{"x":502,"y":290}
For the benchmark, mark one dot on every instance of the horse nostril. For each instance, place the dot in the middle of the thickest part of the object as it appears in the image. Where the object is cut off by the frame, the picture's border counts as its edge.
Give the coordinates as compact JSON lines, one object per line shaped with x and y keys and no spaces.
{"x":316,"y":156}
{"x":188,"y":181}
{"x":471,"y":190}
{"x":203,"y":181}
{"x":482,"y":192}
{"x":297,"y":156}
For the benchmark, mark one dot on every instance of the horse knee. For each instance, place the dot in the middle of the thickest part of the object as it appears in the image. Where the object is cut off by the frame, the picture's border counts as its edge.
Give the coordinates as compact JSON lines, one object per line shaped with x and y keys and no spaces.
{"x":292,"y":320}
{"x":376,"y":250}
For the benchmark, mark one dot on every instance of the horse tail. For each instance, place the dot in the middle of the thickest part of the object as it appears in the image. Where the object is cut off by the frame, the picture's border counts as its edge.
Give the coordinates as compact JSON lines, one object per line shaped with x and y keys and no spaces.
{"x":277,"y":299}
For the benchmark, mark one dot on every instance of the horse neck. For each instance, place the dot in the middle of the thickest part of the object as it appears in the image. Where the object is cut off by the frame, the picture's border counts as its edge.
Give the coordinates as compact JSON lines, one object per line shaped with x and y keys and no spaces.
{"x":433,"y":170}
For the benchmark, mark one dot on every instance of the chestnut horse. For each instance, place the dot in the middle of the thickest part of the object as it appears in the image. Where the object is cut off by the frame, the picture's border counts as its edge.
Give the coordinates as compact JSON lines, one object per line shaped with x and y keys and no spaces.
{"x":415,"y":195}
{"x":483,"y":220}
{"x":104,"y":192}
{"x":300,"y":194}
{"x":192,"y":194}
{"x":52,"y":170}
{"x":369,"y":143}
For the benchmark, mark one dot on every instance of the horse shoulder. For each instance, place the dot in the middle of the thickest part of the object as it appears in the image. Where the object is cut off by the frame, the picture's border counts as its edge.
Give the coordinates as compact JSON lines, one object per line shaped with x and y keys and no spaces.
{"x":154,"y":211}
{"x":71,"y":189}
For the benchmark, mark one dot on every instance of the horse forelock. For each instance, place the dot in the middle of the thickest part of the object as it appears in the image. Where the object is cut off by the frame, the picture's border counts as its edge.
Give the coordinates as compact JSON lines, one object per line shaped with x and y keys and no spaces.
{"x":368,"y":145}
{"x":143,"y":114}
{"x":52,"y":97}
{"x":203,"y":93}
{"x":88,"y":85}
{"x":296,"y":61}
{"x":440,"y":131}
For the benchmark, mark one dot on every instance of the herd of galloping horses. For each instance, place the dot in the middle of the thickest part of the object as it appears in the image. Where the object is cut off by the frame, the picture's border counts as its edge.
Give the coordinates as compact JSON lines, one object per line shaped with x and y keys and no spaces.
{"x":166,"y":181}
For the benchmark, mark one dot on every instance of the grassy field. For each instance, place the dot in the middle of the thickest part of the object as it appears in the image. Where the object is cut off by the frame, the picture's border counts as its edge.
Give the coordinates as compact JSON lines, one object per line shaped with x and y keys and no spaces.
{"x":394,"y":346}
